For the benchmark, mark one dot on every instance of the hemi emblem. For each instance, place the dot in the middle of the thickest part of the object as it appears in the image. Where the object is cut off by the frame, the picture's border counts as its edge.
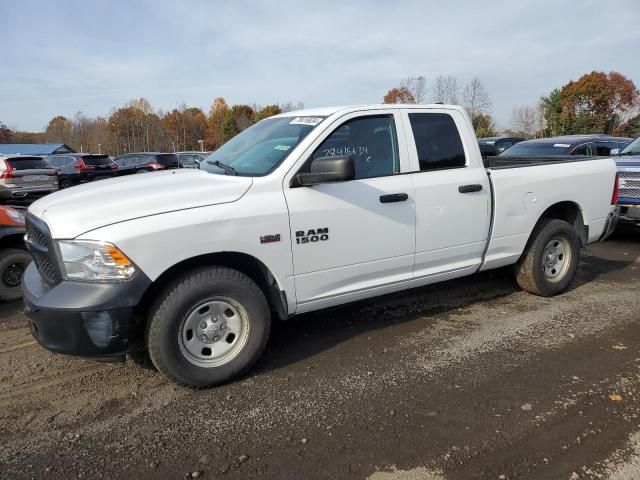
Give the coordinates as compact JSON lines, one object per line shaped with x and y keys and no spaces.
{"x":270,"y":238}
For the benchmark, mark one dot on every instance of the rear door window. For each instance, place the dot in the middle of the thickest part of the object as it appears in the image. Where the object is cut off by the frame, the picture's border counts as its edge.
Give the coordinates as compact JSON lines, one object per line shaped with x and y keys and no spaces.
{"x":586,"y":149}
{"x":438,"y":141}
{"x":97,"y":161}
{"x":168,"y":160}
{"x":370,"y":141}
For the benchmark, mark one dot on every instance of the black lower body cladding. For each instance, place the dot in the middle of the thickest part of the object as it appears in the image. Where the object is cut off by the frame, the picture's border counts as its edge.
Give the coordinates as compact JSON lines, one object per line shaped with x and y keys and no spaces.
{"x":82,"y":318}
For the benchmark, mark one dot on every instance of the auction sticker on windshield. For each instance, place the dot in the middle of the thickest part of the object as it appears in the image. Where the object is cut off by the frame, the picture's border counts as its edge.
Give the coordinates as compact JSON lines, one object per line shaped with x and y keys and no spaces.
{"x":306,"y":121}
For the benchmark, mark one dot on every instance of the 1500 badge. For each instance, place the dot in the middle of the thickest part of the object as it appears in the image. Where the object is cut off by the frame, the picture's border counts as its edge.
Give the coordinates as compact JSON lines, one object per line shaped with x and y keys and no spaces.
{"x":312,"y":236}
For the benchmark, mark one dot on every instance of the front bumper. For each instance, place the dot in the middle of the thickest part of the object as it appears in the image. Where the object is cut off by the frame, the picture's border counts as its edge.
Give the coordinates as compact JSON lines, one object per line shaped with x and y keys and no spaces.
{"x":610,"y":224}
{"x":630,"y":215}
{"x":81,"y":318}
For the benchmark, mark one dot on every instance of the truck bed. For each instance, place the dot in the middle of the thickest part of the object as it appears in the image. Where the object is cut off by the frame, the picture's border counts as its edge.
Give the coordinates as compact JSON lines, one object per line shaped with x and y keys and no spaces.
{"x":499,"y":162}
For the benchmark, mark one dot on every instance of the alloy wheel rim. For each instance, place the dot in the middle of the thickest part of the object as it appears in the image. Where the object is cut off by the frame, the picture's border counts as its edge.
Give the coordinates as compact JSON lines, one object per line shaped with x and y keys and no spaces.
{"x":214,"y":332}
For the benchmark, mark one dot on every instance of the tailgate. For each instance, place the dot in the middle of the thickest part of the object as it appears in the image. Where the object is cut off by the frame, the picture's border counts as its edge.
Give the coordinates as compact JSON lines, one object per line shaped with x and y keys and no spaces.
{"x":31,"y":171}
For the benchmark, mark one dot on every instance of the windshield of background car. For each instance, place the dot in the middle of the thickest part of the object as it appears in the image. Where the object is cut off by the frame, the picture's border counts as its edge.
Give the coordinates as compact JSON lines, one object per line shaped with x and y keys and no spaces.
{"x":536,"y":149}
{"x":97,"y":161}
{"x":260,"y":148}
{"x":632,"y":149}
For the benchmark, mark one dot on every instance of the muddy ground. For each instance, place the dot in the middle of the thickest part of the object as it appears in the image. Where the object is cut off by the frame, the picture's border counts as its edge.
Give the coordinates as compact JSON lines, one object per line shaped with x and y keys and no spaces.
{"x":462,"y":380}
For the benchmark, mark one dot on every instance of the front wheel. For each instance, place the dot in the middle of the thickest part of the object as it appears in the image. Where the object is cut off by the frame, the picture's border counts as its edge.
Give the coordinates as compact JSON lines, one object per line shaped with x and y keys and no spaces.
{"x":550,"y":259}
{"x":208,"y":327}
{"x":13,"y":263}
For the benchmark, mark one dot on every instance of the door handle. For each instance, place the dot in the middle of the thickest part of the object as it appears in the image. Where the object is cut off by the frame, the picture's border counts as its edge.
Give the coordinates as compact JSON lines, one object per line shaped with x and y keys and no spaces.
{"x":394,"y":197}
{"x":476,"y":187}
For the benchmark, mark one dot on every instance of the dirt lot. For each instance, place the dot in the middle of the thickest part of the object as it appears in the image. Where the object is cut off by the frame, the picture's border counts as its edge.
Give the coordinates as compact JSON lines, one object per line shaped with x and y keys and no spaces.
{"x":467,"y":379}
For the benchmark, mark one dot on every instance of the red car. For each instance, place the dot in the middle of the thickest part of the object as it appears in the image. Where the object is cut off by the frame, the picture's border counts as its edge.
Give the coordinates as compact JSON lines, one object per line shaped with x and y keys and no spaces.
{"x":14,"y":256}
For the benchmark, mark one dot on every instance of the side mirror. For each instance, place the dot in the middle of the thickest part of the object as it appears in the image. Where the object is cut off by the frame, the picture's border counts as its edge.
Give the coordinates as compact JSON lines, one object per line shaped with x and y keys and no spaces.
{"x":326,"y":170}
{"x":614,"y":152}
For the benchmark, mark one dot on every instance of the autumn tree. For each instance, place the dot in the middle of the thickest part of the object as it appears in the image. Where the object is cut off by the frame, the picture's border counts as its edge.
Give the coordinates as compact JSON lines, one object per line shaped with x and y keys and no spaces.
{"x":59,"y":130}
{"x":484,"y":126}
{"x":597,"y":102}
{"x":266,"y":112}
{"x":399,"y":95}
{"x":5,"y":133}
{"x":215,"y":124}
{"x":446,"y":90}
{"x":237,"y":119}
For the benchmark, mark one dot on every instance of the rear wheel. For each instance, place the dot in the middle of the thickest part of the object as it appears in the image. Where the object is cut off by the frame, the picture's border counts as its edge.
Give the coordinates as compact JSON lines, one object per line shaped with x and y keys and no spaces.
{"x":208,"y":327}
{"x":550,"y":259}
{"x":65,"y":183}
{"x":13,"y":263}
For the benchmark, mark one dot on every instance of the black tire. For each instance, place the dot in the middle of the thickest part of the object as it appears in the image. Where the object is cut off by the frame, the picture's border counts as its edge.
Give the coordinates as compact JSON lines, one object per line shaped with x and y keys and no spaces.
{"x":181,"y":299}
{"x":13,"y":263}
{"x":65,"y":183}
{"x":530,"y":271}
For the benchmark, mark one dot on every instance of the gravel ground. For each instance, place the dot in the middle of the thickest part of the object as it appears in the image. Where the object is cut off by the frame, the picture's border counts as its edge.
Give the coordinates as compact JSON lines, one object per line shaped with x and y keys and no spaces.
{"x":467,"y":379}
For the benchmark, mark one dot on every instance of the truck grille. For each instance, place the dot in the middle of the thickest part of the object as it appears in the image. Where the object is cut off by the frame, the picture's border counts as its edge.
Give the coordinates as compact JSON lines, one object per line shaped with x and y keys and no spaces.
{"x":41,"y":247}
{"x":629,"y":184}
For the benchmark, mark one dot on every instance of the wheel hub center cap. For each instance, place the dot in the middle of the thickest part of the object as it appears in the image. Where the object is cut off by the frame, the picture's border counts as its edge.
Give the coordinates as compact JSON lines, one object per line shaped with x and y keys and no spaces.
{"x":210,"y":329}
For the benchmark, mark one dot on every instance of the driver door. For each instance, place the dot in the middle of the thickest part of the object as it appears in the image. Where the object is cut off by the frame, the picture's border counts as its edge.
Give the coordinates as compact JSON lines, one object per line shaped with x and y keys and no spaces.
{"x":353,"y":236}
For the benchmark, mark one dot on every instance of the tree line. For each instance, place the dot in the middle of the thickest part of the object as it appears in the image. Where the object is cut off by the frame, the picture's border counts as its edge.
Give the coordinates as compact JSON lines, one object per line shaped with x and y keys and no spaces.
{"x":597,"y":102}
{"x":137,"y":126}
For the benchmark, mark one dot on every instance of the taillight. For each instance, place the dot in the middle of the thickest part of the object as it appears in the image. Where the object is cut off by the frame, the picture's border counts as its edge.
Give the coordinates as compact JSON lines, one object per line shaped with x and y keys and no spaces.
{"x":616,"y":191}
{"x":155,"y":166}
{"x":8,"y":173}
{"x":114,"y":166}
{"x":80,"y":165}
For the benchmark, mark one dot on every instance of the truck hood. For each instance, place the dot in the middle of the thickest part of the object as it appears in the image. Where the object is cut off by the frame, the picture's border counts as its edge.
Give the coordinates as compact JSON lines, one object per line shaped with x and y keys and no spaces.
{"x":74,"y":211}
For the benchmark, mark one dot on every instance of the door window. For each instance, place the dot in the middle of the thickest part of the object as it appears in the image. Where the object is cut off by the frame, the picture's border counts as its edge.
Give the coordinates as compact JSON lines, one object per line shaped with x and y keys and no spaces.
{"x":438,"y":141}
{"x":586,"y":149}
{"x":370,"y":141}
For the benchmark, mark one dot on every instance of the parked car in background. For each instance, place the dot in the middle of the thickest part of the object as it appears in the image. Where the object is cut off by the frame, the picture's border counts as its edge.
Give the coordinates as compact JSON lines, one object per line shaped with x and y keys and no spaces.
{"x":76,"y":168}
{"x":14,"y":256}
{"x":23,"y":176}
{"x":146,"y":162}
{"x":191,"y":159}
{"x":492,"y":146}
{"x":628,"y":161}
{"x":588,"y":145}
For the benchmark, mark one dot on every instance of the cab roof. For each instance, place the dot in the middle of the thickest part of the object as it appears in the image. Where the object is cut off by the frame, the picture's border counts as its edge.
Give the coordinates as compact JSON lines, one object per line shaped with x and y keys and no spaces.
{"x":327,"y":111}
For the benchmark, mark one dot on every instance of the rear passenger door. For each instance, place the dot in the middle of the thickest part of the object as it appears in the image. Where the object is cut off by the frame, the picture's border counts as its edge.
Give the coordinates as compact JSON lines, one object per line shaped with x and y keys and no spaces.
{"x":453,"y":198}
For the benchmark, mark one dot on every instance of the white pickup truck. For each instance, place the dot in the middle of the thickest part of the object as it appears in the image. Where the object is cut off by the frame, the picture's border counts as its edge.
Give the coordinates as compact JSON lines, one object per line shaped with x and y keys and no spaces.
{"x":299,"y":212}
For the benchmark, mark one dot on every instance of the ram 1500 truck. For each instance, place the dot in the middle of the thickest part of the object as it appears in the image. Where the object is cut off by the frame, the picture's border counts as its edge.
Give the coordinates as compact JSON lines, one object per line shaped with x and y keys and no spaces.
{"x":299,"y":212}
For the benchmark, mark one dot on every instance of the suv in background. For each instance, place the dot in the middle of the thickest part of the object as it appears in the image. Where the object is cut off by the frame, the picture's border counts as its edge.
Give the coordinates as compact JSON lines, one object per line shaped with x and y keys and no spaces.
{"x":191,"y":159}
{"x":23,"y":176}
{"x":146,"y":162}
{"x":628,"y":162}
{"x":76,"y":168}
{"x":492,"y":146}
{"x":589,"y":145}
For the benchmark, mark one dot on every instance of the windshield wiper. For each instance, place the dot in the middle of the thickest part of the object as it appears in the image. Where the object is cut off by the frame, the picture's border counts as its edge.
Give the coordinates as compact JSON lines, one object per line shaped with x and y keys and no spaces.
{"x":228,"y":169}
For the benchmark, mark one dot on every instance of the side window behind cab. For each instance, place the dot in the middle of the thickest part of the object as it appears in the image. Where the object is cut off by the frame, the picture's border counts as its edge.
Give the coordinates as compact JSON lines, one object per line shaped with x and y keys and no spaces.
{"x":370,"y":141}
{"x":438,"y":141}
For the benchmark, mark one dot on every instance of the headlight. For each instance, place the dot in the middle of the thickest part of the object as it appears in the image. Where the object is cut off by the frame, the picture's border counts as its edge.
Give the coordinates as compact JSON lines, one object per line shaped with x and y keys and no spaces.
{"x":94,"y":261}
{"x":15,"y":215}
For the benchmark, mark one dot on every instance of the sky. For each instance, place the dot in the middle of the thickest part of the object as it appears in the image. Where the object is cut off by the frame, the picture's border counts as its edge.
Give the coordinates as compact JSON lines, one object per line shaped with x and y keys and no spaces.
{"x":61,"y":57}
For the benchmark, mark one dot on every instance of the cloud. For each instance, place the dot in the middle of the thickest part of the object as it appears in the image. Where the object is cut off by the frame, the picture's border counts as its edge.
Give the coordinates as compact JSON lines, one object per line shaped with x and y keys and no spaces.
{"x":93,"y":56}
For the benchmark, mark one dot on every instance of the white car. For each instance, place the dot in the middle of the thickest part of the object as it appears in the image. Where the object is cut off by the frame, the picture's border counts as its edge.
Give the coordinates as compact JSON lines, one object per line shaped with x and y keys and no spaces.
{"x":299,"y":212}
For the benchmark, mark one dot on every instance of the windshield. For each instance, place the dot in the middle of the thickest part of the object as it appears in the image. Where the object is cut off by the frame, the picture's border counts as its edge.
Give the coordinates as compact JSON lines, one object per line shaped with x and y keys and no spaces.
{"x":260,"y":148}
{"x":632,"y":149}
{"x":536,"y":149}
